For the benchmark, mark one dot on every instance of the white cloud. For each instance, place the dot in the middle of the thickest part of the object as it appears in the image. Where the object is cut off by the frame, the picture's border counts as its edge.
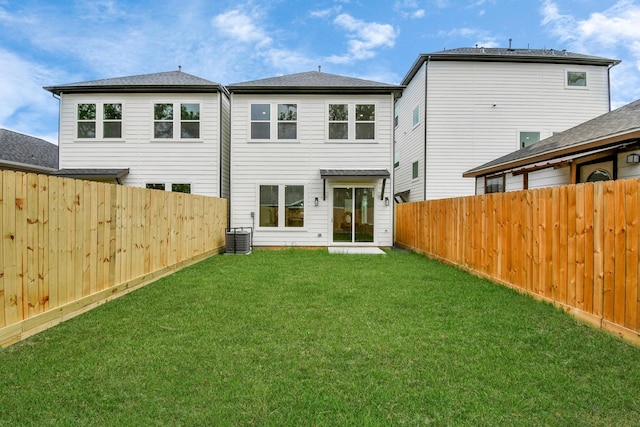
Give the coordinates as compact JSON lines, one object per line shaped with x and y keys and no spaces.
{"x":478,"y":37}
{"x":241,"y":27}
{"x":324,"y":13}
{"x":365,"y":38}
{"x":25,"y":106}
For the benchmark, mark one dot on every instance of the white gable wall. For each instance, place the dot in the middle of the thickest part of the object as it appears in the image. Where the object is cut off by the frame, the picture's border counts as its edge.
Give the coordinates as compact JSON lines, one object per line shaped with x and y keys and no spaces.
{"x":476,"y":110}
{"x":299,"y":163}
{"x":180,"y":161}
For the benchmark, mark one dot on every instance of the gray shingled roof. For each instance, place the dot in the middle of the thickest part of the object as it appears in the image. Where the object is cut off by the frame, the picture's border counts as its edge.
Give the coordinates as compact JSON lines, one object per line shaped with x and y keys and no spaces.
{"x":312,"y":82}
{"x":483,"y":54}
{"x":611,"y":128}
{"x":170,"y":81}
{"x":18,"y":148}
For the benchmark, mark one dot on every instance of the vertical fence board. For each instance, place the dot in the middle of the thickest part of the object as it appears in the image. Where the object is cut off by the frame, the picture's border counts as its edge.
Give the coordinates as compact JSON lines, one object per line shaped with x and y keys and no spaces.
{"x":55,"y":187}
{"x":631,"y":254}
{"x":571,"y":262}
{"x":3,"y":207}
{"x":43,"y":242}
{"x":619,"y":254}
{"x":12,"y":299}
{"x":31,"y":303}
{"x":609,"y":249}
{"x":580,"y":247}
{"x":22,"y":244}
{"x":563,"y":245}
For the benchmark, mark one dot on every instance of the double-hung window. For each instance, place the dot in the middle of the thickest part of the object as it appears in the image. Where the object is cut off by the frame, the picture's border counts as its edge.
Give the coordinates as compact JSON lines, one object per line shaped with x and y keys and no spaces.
{"x":350,"y":122}
{"x":281,"y":125}
{"x":98,"y":121}
{"x":166,"y":121}
{"x":281,"y":206}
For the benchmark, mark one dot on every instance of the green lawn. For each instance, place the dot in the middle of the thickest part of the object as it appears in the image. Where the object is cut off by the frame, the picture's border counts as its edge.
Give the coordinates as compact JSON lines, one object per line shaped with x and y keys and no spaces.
{"x":305,"y":338}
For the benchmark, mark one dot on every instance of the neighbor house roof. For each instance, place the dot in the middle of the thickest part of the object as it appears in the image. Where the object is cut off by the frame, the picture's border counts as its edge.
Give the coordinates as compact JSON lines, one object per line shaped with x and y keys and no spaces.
{"x":167,"y":82}
{"x":313,"y":82}
{"x":610,"y":129}
{"x":24,"y":152}
{"x":482,"y":54}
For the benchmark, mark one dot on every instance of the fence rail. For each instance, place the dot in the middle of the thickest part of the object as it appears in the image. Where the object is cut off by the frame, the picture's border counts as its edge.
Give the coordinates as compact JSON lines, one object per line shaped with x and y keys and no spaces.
{"x":576,"y":246}
{"x":68,"y":245}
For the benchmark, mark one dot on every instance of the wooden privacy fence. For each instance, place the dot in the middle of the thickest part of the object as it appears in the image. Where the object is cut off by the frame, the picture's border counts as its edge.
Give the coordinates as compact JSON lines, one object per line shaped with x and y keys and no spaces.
{"x":576,"y":246}
{"x":68,"y":245}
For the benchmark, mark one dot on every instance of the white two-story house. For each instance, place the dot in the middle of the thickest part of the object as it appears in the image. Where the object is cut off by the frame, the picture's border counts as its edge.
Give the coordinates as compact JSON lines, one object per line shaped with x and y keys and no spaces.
{"x":166,"y":131}
{"x":465,"y":107}
{"x":311,"y":160}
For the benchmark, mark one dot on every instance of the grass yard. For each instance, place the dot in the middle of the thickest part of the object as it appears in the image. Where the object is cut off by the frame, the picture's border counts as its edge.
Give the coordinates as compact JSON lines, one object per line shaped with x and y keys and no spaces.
{"x":305,"y":338}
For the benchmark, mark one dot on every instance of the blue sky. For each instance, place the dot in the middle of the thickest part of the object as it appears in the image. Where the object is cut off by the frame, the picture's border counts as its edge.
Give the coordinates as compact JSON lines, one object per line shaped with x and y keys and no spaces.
{"x":43,"y":42}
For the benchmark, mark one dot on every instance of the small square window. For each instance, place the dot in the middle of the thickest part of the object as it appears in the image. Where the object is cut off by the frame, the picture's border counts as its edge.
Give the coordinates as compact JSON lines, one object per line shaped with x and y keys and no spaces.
{"x":181,"y":188}
{"x":528,"y":138}
{"x":494,"y":184}
{"x":577,"y":78}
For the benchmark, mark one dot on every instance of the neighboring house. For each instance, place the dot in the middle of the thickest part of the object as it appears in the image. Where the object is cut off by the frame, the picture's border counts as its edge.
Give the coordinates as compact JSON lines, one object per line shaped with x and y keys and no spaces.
{"x":167,"y":131}
{"x":20,"y":152}
{"x":467,"y":106}
{"x":312,"y":155}
{"x":604,"y":148}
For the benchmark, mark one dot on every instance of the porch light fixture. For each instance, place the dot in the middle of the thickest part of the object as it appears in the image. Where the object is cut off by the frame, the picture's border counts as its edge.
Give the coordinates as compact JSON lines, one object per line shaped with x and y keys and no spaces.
{"x":386,"y":201}
{"x":633,"y":158}
{"x":316,"y":202}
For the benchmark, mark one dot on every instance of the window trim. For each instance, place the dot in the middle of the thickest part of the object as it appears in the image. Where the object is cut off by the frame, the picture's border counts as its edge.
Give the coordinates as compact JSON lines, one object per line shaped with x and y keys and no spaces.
{"x":576,"y":87}
{"x":281,"y":226}
{"x":99,"y":121}
{"x":274,"y":121}
{"x":176,"y":121}
{"x":352,"y":122}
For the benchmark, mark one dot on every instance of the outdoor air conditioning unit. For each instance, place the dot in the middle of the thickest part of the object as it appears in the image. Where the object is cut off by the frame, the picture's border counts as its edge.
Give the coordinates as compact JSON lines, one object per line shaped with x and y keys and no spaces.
{"x":238,"y":241}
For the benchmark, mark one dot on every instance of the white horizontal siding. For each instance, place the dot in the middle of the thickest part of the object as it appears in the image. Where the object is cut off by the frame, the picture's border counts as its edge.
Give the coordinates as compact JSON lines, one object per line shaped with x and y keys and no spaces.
{"x":192,"y":162}
{"x":475,"y":111}
{"x":549,"y":177}
{"x":299,"y":163}
{"x":409,"y":139}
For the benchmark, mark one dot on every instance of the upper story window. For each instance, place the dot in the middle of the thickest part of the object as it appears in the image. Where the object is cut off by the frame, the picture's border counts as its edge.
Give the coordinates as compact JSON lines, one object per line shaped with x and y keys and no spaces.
{"x":165,"y":121}
{"x":365,"y":121}
{"x":414,"y":170}
{"x":338,"y":121}
{"x":99,"y":121}
{"x":416,"y":115}
{"x":528,"y":138}
{"x":576,"y":78}
{"x":351,"y":121}
{"x":395,"y":116}
{"x":284,"y":123}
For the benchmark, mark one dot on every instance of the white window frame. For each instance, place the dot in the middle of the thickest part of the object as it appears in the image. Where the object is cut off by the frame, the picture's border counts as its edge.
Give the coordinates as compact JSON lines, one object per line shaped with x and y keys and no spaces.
{"x":351,"y":106}
{"x":99,"y":121}
{"x":574,"y":87}
{"x":415,"y":116}
{"x":281,"y":206}
{"x":176,"y":120}
{"x":273,"y":121}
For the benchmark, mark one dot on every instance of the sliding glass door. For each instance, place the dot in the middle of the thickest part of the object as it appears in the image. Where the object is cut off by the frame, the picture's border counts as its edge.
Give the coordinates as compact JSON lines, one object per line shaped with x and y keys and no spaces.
{"x":353,"y":214}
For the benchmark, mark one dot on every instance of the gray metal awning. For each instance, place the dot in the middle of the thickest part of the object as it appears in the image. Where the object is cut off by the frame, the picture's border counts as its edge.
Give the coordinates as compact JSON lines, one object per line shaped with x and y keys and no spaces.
{"x":115,"y":174}
{"x":382,"y":174}
{"x":354,"y":173}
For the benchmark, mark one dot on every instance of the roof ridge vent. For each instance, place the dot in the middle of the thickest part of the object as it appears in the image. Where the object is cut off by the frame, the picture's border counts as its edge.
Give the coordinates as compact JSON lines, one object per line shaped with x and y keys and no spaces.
{"x":510,"y":48}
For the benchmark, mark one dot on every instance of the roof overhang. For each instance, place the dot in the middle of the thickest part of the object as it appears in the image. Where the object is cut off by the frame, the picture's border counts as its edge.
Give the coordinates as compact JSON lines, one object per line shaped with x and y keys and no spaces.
{"x":59,"y":90}
{"x":317,"y":90}
{"x":577,"y":149}
{"x":115,"y":174}
{"x":26,"y":167}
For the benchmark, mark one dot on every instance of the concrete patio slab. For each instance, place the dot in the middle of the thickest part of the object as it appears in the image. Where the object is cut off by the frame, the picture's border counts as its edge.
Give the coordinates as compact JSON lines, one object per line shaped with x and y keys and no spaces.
{"x":360,"y":250}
